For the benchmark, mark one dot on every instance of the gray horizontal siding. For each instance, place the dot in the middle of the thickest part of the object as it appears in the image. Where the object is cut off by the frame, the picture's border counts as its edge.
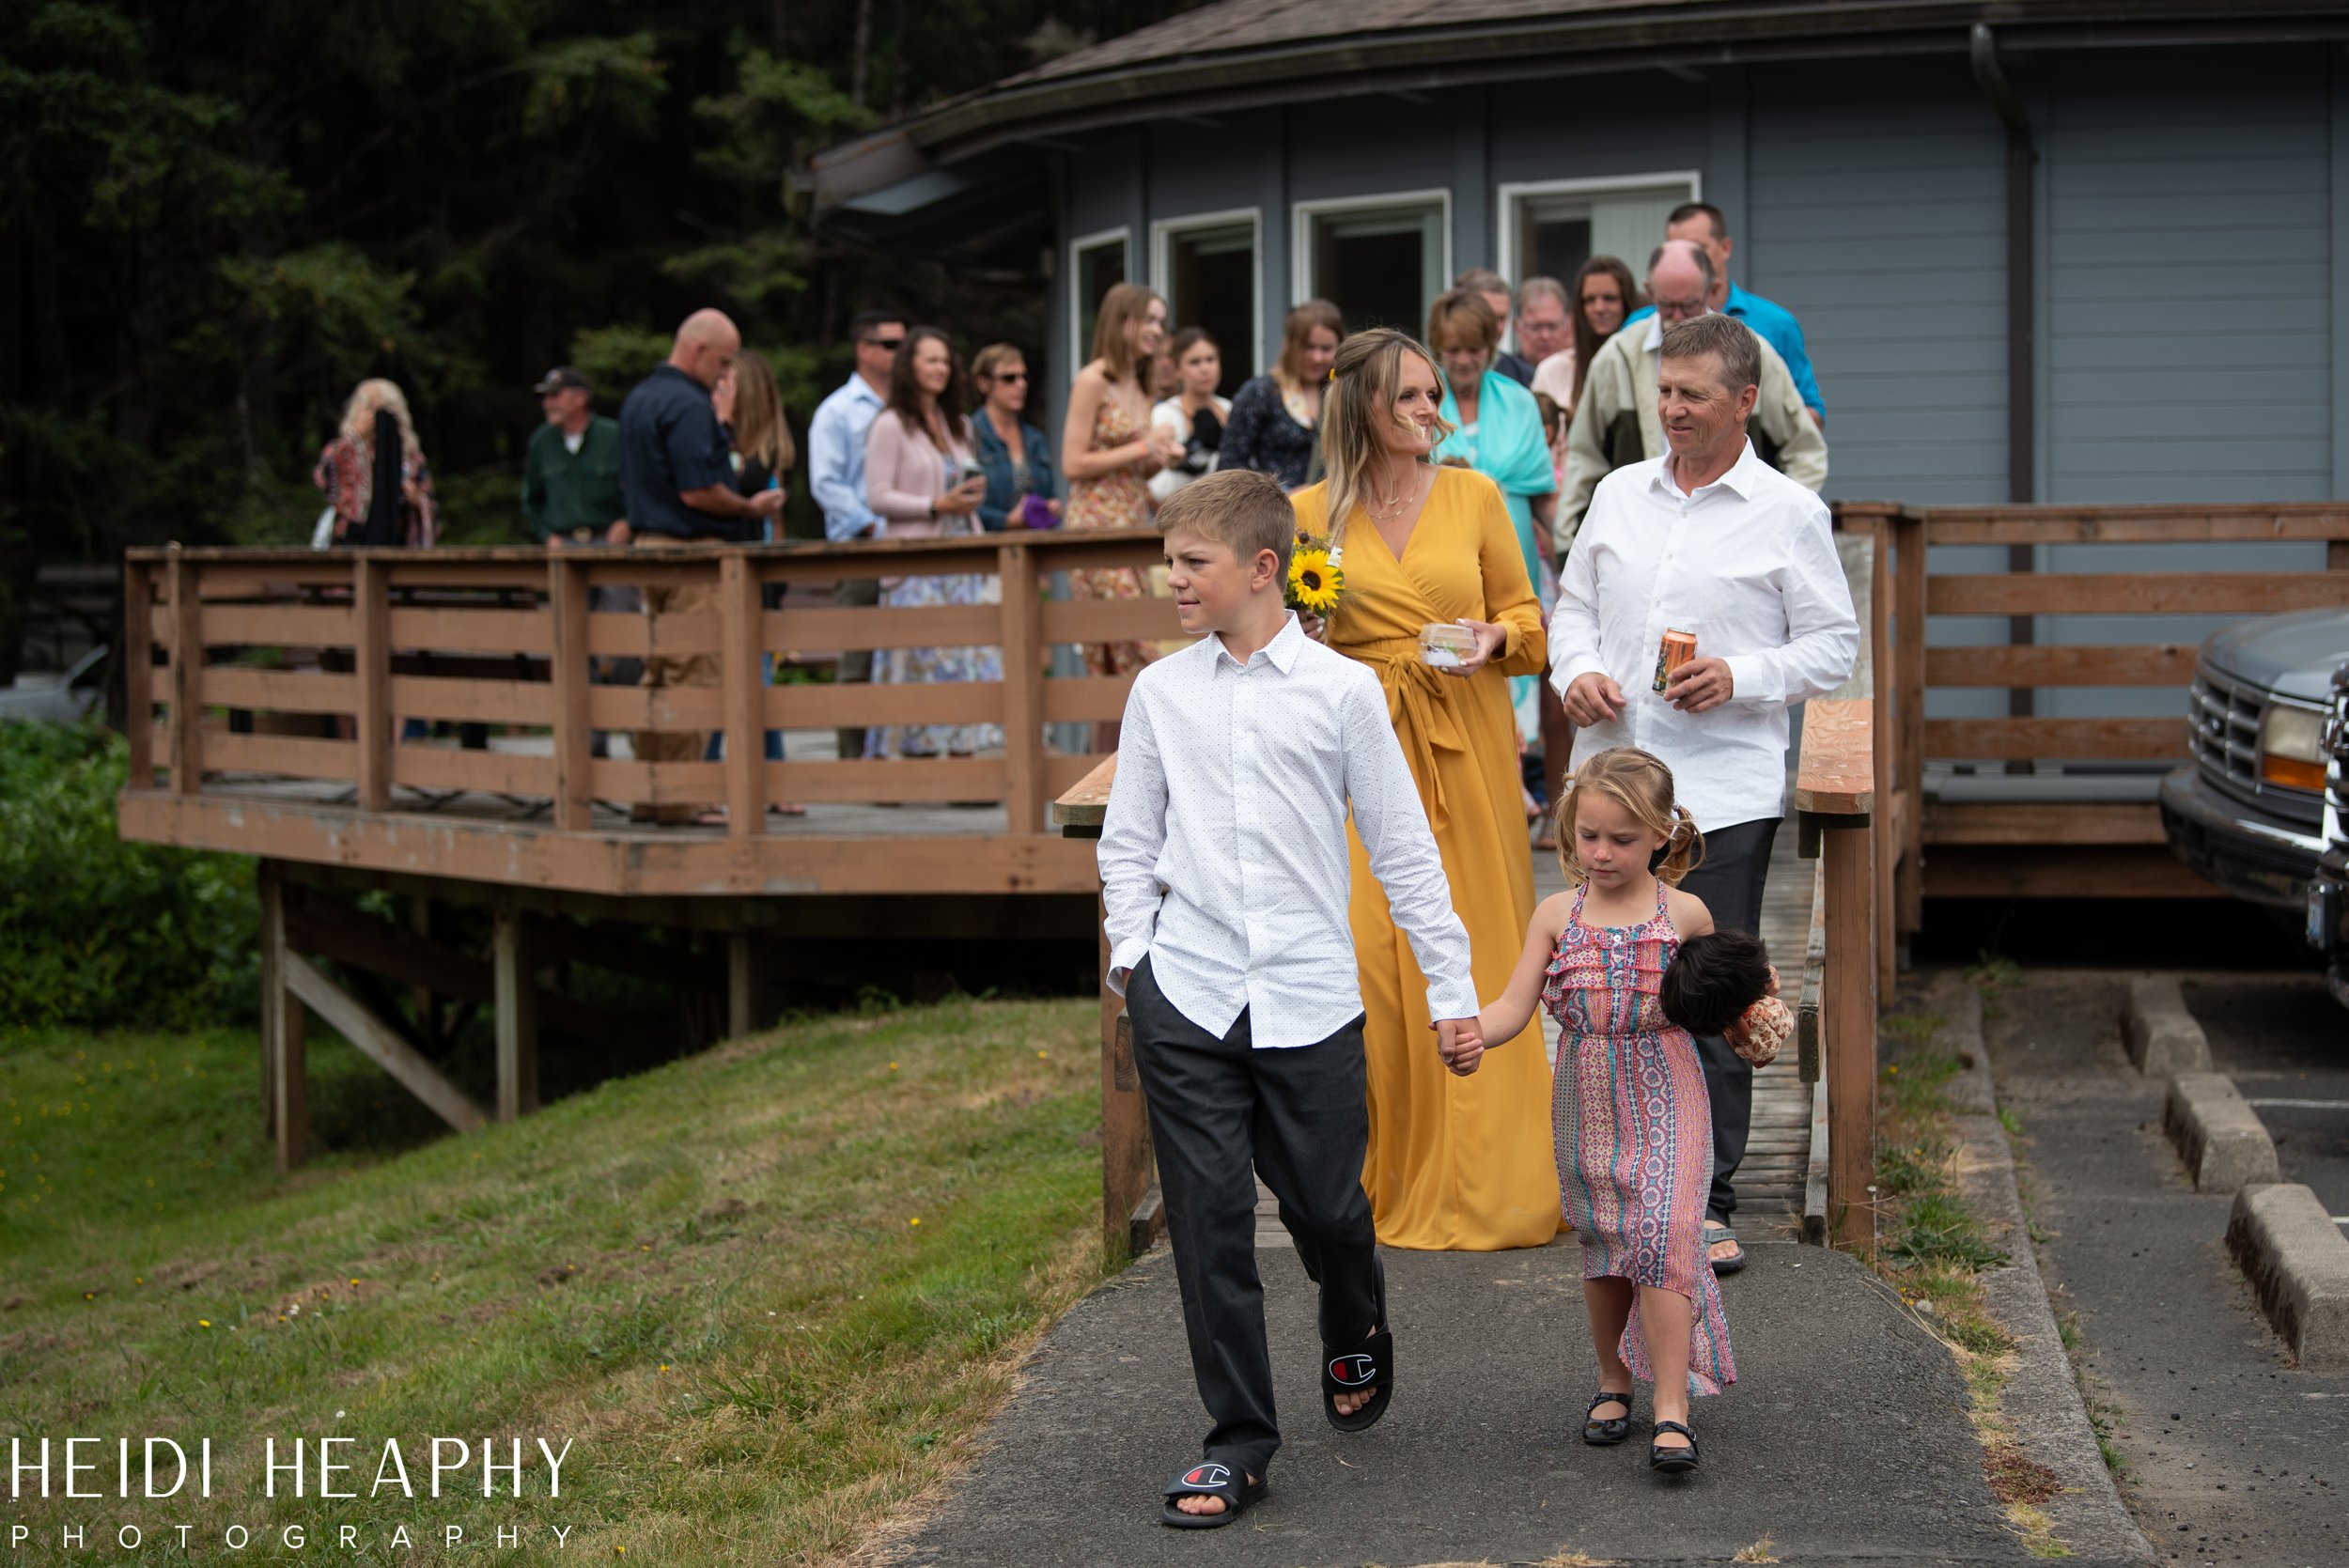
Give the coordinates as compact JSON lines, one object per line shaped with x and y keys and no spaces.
{"x":1878,"y":220}
{"x":2188,"y":284}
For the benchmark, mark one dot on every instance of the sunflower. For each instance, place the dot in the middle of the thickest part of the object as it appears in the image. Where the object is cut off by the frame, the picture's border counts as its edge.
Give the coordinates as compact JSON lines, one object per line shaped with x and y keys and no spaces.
{"x":1315,"y":583}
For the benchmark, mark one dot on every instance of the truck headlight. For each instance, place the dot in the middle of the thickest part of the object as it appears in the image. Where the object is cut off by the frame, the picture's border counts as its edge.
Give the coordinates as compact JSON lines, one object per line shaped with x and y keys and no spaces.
{"x":2292,"y":749}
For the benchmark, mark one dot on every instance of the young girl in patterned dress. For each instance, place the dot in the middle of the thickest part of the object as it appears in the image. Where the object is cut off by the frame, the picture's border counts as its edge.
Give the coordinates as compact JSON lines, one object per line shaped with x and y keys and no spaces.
{"x":1634,"y":1131}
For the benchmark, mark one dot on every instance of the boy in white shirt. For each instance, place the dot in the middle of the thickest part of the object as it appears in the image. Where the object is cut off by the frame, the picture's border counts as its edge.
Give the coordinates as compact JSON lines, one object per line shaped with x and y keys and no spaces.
{"x":1225,"y":880}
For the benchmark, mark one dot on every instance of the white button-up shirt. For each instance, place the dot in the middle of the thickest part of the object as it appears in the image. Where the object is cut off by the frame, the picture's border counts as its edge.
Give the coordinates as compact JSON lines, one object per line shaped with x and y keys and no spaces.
{"x":1747,"y":565}
{"x":1223,"y":853}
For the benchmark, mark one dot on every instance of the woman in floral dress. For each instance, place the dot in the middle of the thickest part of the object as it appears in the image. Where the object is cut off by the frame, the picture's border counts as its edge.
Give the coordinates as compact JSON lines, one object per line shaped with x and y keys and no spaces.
{"x":921,"y":477}
{"x":1109,"y":450}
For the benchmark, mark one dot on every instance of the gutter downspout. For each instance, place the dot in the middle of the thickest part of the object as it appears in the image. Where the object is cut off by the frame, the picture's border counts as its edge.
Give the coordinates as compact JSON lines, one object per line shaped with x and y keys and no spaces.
{"x":2021,"y":408}
{"x":2021,"y":382}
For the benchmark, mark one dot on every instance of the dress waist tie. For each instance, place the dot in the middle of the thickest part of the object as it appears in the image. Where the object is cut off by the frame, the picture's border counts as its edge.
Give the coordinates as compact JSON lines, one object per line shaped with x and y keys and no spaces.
{"x":1420,"y":710}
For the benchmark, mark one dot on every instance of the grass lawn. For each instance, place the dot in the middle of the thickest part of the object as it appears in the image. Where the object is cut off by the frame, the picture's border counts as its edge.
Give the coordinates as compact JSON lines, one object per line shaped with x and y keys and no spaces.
{"x":765,"y":1292}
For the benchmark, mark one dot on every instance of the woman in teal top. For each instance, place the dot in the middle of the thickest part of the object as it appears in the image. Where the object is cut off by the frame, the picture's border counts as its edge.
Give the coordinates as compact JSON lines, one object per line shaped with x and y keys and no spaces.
{"x":1499,"y":433}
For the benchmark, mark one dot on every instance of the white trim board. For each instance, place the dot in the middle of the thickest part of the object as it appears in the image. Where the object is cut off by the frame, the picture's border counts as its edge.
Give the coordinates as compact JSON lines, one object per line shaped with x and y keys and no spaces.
{"x":1080,"y":333}
{"x":1302,"y":215}
{"x":1509,"y":192}
{"x":1164,"y":229}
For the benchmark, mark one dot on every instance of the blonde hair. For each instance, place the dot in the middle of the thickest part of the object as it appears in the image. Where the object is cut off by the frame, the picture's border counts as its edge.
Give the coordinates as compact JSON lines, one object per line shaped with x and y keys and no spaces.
{"x":1363,"y":388}
{"x":1123,"y":305}
{"x":994,"y":358}
{"x":1239,"y":508}
{"x":1297,"y":326}
{"x":760,"y":429}
{"x":1641,"y":783}
{"x":358,"y":425}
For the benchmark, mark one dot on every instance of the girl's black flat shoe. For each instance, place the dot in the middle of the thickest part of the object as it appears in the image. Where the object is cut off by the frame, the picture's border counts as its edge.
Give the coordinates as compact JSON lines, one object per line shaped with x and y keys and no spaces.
{"x":1613,"y":1429}
{"x":1673,"y":1460}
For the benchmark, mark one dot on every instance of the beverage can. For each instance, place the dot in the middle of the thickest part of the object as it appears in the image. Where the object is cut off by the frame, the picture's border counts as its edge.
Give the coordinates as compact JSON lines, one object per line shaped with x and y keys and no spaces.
{"x":1677,"y":649}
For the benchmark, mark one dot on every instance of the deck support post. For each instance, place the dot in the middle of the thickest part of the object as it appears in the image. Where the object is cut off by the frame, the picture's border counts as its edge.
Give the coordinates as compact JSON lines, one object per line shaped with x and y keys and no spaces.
{"x":270,"y":891}
{"x":285,"y":1056}
{"x":1126,"y":1155}
{"x":1849,"y":1012}
{"x":517,"y":1007}
{"x":741,"y":986}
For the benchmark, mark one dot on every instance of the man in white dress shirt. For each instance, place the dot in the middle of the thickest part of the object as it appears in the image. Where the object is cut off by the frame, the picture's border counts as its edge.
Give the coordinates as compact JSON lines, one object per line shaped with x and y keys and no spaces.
{"x":1707,"y":540}
{"x":1225,"y":882}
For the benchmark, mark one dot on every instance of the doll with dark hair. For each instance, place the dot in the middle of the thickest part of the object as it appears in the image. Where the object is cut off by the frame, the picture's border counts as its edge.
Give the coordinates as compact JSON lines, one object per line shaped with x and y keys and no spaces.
{"x":1722,"y":983}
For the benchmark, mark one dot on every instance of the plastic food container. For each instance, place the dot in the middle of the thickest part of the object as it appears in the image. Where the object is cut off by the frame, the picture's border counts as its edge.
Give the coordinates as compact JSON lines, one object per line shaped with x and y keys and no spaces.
{"x":1445,"y":645}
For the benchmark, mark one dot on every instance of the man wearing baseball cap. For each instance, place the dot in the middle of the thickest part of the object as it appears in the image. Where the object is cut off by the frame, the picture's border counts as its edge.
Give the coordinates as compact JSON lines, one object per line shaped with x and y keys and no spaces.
{"x":571,"y":479}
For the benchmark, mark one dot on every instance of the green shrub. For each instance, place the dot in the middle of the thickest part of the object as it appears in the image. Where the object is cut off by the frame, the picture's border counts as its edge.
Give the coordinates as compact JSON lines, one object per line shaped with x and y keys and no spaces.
{"x":97,"y":933}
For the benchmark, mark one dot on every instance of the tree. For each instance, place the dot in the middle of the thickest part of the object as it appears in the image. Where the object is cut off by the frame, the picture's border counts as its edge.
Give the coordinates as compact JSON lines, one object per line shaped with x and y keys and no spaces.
{"x":220,"y":216}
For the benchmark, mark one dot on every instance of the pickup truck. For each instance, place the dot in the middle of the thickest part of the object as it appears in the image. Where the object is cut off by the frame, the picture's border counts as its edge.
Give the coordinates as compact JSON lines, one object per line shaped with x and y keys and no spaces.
{"x":2328,"y":896}
{"x":2249,"y":812}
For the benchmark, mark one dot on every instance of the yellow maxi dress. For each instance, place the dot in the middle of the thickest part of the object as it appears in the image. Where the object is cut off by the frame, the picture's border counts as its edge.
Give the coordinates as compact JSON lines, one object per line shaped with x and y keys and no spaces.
{"x":1455,"y":1163}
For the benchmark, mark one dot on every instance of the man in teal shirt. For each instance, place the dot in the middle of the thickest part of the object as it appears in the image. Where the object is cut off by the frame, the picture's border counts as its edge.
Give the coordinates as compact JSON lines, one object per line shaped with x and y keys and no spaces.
{"x":571,"y":479}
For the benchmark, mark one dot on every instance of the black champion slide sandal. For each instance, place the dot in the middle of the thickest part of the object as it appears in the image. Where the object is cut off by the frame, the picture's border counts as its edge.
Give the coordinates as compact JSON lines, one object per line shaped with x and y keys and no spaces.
{"x":1369,"y":1365}
{"x":1208,"y":1478}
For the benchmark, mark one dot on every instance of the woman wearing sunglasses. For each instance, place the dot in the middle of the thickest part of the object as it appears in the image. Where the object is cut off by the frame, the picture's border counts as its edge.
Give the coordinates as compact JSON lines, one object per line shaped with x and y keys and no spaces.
{"x":1012,"y":453}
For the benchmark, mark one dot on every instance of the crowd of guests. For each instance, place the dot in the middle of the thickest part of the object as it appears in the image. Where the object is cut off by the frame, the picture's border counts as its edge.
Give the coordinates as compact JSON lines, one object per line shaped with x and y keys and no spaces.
{"x":915,"y":444}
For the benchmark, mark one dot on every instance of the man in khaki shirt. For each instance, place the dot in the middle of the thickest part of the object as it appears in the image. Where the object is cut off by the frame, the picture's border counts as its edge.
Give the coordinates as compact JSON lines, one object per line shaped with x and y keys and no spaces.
{"x":1616,"y":421}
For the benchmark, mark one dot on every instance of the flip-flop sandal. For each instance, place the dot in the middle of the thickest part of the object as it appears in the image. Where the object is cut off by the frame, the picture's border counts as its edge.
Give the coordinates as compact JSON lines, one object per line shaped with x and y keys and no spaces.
{"x":1209,"y":1479}
{"x":1369,"y":1365}
{"x":1713,"y":1237}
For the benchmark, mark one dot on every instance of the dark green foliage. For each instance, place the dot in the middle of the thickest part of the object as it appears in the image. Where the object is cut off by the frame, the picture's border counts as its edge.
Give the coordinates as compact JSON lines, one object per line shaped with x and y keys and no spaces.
{"x":100,"y":933}
{"x":221,"y":214}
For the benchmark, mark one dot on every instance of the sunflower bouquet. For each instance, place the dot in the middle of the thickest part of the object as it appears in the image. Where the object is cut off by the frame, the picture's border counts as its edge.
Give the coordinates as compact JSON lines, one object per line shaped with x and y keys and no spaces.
{"x":1316,"y":581}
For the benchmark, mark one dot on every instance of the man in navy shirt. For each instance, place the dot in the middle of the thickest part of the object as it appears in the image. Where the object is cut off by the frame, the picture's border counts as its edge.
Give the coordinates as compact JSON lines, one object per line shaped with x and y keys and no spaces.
{"x":680,"y":487}
{"x":1701,"y":223}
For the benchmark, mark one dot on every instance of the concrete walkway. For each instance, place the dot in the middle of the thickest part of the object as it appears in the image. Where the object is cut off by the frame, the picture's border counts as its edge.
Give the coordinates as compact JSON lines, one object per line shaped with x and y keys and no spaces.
{"x":1845,"y":1441}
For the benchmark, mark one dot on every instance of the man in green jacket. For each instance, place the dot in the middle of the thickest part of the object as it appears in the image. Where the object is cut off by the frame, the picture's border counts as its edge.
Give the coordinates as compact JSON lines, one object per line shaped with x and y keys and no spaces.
{"x":571,"y":479}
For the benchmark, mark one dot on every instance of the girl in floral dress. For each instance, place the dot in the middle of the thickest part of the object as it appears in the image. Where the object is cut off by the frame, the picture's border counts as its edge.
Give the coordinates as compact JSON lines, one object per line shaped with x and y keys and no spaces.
{"x":1634,"y":1131}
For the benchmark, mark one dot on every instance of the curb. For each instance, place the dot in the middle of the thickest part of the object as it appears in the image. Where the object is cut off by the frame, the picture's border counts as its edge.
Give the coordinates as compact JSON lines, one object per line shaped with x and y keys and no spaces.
{"x":2042,"y":1396}
{"x":2219,"y":1135}
{"x":2162,"y":1036}
{"x":2298,"y":1264}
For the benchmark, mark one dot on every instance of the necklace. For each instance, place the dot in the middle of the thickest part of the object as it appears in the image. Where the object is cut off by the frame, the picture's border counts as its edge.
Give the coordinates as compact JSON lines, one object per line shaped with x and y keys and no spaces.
{"x":1386,"y":508}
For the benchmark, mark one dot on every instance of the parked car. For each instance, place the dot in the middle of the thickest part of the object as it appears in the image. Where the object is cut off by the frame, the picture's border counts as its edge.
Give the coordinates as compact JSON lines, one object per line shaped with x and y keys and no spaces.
{"x":2247,"y":813}
{"x":66,"y":699}
{"x":2328,"y":896}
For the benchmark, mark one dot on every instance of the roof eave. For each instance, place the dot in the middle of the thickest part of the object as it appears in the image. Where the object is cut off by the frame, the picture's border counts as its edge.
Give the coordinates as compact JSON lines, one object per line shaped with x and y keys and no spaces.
{"x":1575,"y":43}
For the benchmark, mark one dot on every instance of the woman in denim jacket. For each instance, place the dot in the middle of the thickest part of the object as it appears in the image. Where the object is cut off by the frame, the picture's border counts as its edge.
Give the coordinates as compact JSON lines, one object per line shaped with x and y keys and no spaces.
{"x":1012,"y":453}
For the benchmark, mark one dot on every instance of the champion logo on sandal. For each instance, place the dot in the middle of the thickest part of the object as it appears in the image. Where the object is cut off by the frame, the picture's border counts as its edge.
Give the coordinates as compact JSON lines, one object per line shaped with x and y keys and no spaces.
{"x":1207,"y":1475}
{"x":1352,"y":1369}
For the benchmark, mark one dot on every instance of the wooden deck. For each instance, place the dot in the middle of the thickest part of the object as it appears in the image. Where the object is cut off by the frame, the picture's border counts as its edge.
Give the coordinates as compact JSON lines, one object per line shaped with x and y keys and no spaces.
{"x":273,"y":694}
{"x":322,"y":657}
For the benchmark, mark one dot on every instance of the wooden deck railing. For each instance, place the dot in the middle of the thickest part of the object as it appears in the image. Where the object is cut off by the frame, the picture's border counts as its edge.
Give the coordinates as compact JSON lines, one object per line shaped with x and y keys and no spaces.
{"x":1846,"y":821}
{"x":1964,"y":848}
{"x":330,"y":651}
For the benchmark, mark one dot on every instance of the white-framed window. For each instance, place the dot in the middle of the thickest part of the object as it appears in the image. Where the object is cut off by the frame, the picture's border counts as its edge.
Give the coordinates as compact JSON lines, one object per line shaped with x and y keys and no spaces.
{"x":1098,"y":263}
{"x":1550,"y":228}
{"x":1380,"y":259}
{"x":1209,"y":267}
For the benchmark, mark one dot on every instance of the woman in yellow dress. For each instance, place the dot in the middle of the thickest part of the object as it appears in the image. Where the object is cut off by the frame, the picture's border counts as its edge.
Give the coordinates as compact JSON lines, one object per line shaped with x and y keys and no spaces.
{"x":1458,"y":1163}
